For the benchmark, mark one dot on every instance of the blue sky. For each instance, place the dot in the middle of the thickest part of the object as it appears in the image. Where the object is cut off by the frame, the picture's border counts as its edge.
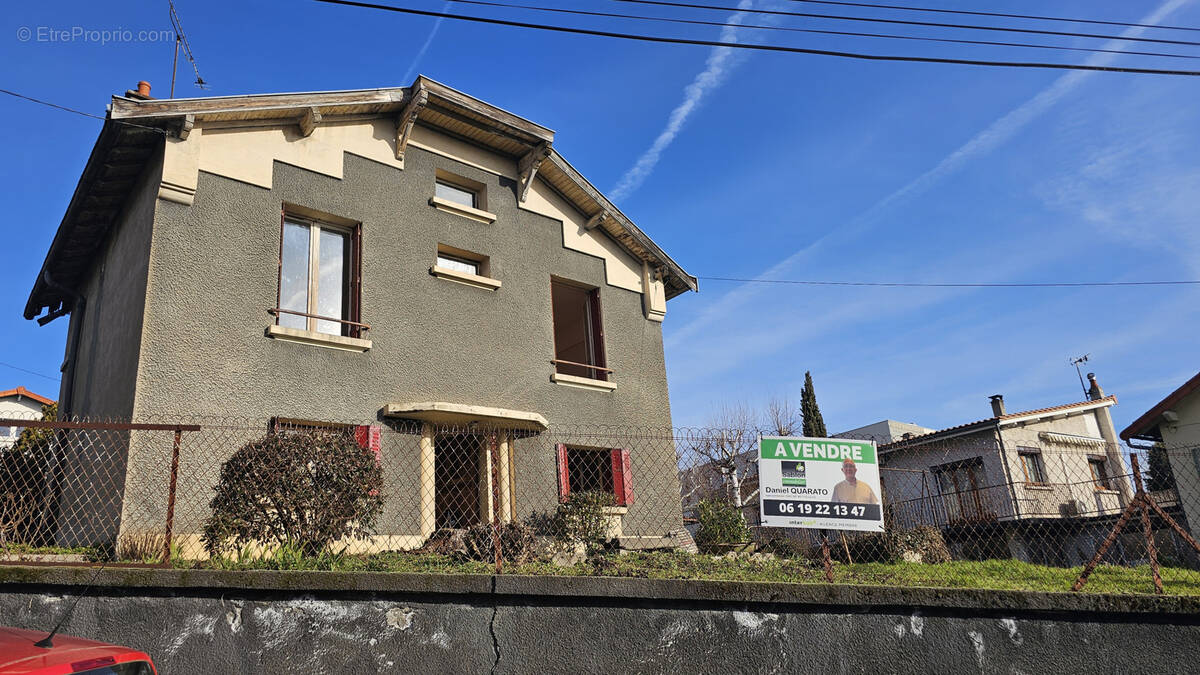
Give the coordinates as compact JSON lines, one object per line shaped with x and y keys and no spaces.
{"x":745,"y":164}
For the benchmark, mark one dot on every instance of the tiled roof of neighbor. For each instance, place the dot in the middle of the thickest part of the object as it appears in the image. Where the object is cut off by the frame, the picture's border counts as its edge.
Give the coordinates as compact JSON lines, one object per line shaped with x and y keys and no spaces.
{"x":22,"y":391}
{"x":994,"y":420}
{"x":1152,"y":416}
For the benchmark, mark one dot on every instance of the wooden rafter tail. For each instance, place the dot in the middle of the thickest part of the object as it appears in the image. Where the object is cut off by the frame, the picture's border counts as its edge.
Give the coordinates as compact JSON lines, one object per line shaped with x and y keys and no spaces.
{"x":527,"y":167}
{"x":407,"y":119}
{"x":309,"y":120}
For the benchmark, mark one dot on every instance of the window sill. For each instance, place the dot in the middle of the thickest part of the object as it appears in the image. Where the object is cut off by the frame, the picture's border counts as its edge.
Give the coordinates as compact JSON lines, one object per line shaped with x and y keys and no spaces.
{"x":467,"y":278}
{"x":582,"y":382}
{"x":1038,"y":486}
{"x":314,"y":338}
{"x":460,"y":210}
{"x":1107,"y":491}
{"x":616,"y":510}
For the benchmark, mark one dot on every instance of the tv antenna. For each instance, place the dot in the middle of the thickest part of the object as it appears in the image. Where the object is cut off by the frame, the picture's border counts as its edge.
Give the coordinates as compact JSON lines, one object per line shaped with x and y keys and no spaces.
{"x":181,"y":39}
{"x":1075,"y":362}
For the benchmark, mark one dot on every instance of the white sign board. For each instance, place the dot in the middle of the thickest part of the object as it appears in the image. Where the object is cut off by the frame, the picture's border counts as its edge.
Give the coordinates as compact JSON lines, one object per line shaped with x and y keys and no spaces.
{"x":819,"y":483}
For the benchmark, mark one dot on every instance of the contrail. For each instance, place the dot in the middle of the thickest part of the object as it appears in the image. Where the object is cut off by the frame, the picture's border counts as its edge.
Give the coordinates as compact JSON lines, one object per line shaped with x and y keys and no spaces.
{"x":982,"y":143}
{"x":720,"y":61}
{"x":412,"y":70}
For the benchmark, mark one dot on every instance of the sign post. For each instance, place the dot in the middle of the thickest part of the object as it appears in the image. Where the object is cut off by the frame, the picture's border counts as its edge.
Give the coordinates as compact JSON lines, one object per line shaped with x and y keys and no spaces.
{"x":819,"y":483}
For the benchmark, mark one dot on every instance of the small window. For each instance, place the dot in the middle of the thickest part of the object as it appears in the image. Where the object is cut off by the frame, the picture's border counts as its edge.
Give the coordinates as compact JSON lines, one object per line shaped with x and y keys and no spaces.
{"x":604,"y":470}
{"x":1099,"y":469}
{"x":367,"y":436}
{"x":1031,"y":463}
{"x":458,"y":264}
{"x":454,"y":193}
{"x":578,"y":334}
{"x":318,"y":277}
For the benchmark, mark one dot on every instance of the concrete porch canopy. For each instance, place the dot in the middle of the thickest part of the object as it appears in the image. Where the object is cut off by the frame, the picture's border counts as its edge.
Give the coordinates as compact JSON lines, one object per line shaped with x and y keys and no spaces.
{"x":442,"y":413}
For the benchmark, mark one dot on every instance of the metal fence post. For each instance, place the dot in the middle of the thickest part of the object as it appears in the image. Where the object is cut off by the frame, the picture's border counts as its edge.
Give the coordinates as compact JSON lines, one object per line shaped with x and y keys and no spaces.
{"x":166,"y":561}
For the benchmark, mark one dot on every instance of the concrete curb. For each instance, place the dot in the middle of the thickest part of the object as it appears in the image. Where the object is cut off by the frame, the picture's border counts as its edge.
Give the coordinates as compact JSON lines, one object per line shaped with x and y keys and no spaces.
{"x":553,"y":589}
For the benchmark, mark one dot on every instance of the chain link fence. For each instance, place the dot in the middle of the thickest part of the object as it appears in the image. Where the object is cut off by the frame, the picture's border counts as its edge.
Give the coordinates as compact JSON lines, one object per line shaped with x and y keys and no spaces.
{"x":968,"y":512}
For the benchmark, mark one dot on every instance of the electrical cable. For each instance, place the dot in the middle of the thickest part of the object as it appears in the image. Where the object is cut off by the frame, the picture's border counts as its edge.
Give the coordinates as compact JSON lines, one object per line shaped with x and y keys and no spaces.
{"x":994,"y":14}
{"x":23,"y":370}
{"x":769,"y":48}
{"x":78,"y":112}
{"x":642,"y":17}
{"x":905,"y":22}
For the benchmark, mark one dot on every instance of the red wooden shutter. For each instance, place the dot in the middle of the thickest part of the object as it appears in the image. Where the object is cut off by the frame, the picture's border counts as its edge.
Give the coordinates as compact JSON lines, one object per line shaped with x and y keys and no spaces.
{"x":564,"y":478}
{"x":370,"y":437}
{"x":622,"y":477}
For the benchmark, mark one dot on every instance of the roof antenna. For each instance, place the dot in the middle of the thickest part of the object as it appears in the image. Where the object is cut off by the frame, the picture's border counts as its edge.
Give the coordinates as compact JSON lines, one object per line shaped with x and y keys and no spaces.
{"x":1075,"y":362}
{"x":48,"y":641}
{"x":181,"y":39}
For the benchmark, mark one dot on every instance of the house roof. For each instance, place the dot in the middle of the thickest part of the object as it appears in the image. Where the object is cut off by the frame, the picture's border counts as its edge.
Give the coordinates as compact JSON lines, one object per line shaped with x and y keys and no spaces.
{"x":22,"y":391}
{"x":134,"y":129}
{"x":1153,"y":416}
{"x":998,"y":420}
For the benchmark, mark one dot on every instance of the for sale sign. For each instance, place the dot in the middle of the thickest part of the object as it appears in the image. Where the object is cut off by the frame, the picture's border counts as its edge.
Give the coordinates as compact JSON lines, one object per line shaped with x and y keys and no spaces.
{"x":820,"y":483}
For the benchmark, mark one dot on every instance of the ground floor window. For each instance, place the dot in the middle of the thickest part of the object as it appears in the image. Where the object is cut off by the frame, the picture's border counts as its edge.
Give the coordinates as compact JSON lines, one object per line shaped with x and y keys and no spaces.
{"x":606,"y":470}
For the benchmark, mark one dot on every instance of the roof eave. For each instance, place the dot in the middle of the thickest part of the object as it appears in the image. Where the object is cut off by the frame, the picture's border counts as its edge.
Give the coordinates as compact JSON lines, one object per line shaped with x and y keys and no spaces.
{"x":1151,"y":417}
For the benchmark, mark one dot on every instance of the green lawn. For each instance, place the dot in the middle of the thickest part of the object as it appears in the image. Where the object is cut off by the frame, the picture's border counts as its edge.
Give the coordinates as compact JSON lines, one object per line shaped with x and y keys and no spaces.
{"x":989,"y":574}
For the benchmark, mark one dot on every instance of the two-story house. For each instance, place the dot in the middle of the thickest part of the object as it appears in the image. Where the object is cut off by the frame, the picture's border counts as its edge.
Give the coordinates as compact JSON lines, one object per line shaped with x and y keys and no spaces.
{"x":21,"y":404}
{"x":1172,"y":428}
{"x":1039,"y":485}
{"x":411,"y":257}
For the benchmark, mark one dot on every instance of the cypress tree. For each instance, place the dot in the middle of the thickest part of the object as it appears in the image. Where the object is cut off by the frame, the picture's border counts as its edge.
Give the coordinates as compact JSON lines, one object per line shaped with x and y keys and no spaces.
{"x":814,"y":424}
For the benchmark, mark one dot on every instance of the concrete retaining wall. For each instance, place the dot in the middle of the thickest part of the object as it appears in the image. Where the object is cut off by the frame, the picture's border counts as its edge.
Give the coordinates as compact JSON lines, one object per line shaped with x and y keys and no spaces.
{"x":263,"y":622}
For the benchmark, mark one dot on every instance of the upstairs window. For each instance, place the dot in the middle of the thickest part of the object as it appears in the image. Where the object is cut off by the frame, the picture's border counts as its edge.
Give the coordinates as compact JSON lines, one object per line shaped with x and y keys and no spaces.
{"x":1099,"y":470}
{"x":457,"y":194}
{"x":578,"y":334}
{"x":1031,"y":464}
{"x":458,"y":263}
{"x":319,"y":277}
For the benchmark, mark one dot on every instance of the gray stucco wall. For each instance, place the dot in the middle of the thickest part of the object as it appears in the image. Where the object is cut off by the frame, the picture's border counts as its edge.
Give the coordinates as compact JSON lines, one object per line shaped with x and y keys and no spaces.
{"x":522,"y":624}
{"x":213,"y":275}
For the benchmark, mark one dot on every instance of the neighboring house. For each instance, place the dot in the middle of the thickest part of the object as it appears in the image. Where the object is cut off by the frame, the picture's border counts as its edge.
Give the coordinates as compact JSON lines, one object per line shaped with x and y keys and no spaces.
{"x":886,"y":431}
{"x":409,"y":255}
{"x":1041,"y":484}
{"x":19,"y":403}
{"x":1173,"y":424}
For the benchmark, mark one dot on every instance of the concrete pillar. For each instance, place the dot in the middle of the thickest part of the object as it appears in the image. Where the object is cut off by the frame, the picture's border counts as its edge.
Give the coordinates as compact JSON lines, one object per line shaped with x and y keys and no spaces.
{"x":427,"y":487}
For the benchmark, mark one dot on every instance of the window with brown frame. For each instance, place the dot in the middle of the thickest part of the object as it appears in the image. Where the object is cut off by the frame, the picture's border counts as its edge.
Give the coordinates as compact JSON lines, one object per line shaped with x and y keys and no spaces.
{"x":1031,"y":464}
{"x":319,"y":276}
{"x":1099,"y":468}
{"x":578,"y":332}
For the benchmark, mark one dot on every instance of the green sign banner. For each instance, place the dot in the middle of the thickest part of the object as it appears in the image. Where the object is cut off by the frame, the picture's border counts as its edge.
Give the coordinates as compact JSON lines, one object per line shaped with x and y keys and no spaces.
{"x":818,"y":449}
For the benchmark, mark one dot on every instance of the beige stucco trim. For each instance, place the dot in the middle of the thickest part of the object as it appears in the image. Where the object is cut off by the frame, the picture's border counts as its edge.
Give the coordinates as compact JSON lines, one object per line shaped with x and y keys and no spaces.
{"x":620,"y":268}
{"x":582,"y":382}
{"x":460,"y":210}
{"x":441,"y":412}
{"x":475,"y":280}
{"x":654,"y":297}
{"x":314,"y":338}
{"x":437,"y":143}
{"x":428,"y":484}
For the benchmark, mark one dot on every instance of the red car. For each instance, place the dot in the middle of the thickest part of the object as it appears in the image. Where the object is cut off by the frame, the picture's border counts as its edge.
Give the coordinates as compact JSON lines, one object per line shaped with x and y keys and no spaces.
{"x":20,"y":655}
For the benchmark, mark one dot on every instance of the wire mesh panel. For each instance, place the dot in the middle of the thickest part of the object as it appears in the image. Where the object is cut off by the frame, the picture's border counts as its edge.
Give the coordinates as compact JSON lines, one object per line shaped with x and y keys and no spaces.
{"x":288,"y":492}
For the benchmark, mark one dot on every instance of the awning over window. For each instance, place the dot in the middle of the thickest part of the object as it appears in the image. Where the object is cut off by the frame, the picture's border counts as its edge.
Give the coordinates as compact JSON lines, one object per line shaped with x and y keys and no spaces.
{"x":459,"y":415}
{"x":1071,"y":439}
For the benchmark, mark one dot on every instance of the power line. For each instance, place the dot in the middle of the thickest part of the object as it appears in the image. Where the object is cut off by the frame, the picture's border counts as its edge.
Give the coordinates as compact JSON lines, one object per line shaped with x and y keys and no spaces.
{"x":77,"y":112}
{"x":904,"y":284}
{"x":758,"y":47}
{"x":698,"y":22}
{"x":9,"y":365}
{"x":995,"y":14}
{"x":905,"y":22}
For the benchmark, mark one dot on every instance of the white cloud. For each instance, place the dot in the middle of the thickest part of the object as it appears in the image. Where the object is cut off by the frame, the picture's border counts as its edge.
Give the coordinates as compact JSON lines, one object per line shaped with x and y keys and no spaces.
{"x":721,"y":60}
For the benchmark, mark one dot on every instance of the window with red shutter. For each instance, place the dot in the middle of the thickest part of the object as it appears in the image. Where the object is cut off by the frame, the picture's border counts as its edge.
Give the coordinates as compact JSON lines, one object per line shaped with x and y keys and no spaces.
{"x":564,"y":480}
{"x":595,"y":470}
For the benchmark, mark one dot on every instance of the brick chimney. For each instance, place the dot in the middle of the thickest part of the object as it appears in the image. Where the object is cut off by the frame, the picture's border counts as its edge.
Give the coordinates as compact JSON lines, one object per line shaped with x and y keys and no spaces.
{"x":1095,"y":393}
{"x":997,"y":405}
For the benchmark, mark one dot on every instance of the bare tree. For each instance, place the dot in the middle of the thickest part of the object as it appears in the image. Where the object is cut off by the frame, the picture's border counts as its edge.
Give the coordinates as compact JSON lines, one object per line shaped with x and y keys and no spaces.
{"x":782,"y":417}
{"x":728,"y":448}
